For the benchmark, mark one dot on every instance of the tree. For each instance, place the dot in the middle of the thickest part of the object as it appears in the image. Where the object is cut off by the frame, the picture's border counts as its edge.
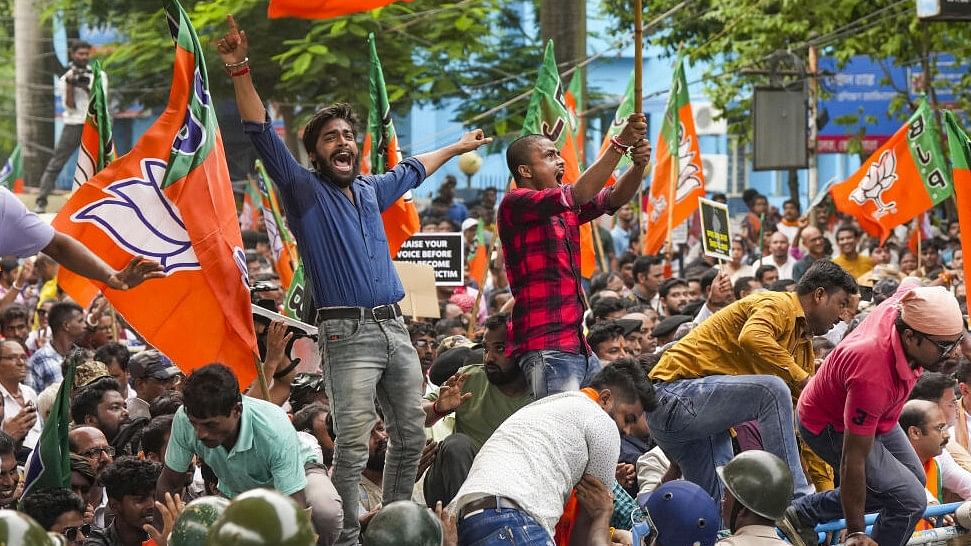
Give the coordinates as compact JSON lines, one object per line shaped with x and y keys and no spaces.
{"x":297,"y":64}
{"x":738,"y":38}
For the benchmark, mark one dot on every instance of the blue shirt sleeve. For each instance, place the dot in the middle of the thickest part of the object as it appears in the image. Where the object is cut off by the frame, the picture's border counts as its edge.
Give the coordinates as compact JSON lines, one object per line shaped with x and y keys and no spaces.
{"x":279,"y":162}
{"x":391,"y":185}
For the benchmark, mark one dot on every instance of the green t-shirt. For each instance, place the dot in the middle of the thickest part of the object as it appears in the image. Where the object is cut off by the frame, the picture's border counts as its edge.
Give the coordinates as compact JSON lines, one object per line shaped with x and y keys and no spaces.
{"x":479,"y":417}
{"x":267,"y":452}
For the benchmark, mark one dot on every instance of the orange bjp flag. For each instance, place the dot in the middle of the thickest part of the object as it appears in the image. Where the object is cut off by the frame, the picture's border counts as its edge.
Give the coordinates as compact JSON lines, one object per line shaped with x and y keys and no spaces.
{"x":678,"y":179}
{"x":905,"y":177}
{"x":170,"y":199}
{"x":321,"y":9}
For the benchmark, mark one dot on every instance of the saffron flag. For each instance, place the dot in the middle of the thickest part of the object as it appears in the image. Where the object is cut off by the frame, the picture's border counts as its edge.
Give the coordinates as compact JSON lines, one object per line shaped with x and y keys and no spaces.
{"x":678,"y":179}
{"x":49,"y":465}
{"x":478,"y":258}
{"x":960,"y":148}
{"x":624,"y":110}
{"x":574,"y":104}
{"x":170,"y":199}
{"x":249,"y":215}
{"x":97,"y":145}
{"x":322,"y":9}
{"x":12,"y":174}
{"x":921,"y":232}
{"x":282,"y":243}
{"x":903,"y":178}
{"x":381,"y":154}
{"x":548,"y":115}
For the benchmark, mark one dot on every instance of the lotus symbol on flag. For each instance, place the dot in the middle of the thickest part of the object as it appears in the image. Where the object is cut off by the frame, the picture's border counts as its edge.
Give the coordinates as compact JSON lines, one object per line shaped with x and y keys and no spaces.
{"x":879,"y":178}
{"x":658,"y":206}
{"x":688,"y":180}
{"x":142,"y":220}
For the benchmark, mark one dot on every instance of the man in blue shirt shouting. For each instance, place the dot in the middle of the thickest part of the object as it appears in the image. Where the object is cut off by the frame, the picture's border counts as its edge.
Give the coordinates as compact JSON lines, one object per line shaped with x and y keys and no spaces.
{"x":335,"y":215}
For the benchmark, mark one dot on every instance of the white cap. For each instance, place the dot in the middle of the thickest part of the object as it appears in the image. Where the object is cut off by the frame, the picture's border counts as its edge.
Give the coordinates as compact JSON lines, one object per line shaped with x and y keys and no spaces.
{"x":469,"y":223}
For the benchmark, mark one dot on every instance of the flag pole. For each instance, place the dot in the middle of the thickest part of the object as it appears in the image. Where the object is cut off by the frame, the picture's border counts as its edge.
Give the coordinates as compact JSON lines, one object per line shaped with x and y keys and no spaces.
{"x":264,"y":386}
{"x":639,"y":104}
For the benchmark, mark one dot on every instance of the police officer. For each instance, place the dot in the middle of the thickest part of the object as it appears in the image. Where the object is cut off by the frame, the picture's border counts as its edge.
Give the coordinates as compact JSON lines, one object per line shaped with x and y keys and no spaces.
{"x":758,"y":488}
{"x":263,"y":517}
{"x":681,"y":513}
{"x":403,"y":523}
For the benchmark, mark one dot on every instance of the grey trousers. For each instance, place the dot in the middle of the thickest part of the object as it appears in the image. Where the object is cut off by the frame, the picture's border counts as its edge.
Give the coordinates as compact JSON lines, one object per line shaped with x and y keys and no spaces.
{"x":365,"y":359}
{"x":69,"y":141}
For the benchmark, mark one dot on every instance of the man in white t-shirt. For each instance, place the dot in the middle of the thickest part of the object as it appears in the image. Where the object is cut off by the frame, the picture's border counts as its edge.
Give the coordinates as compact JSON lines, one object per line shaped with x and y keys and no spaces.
{"x":524,"y":473}
{"x":75,"y":89}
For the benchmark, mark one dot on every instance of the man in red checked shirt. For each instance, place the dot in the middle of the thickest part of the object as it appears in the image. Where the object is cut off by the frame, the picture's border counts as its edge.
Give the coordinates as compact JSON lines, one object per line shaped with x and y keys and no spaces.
{"x":849,"y":411}
{"x":539,"y":225}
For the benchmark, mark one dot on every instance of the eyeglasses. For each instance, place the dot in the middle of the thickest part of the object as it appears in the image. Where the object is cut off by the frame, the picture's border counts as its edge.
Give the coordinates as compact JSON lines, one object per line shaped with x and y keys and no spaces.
{"x":422,"y":343}
{"x":945,"y":347}
{"x":71,"y":533}
{"x":95,"y":452}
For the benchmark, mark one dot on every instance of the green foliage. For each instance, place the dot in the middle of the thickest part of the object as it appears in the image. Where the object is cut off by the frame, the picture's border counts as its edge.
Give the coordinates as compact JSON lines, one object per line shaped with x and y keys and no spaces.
{"x":8,"y":115}
{"x":303,"y":64}
{"x":737,"y":37}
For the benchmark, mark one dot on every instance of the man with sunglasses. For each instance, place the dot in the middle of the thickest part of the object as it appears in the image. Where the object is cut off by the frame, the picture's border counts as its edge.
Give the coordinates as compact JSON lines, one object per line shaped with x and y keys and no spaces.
{"x":848,"y":415}
{"x":58,"y":511}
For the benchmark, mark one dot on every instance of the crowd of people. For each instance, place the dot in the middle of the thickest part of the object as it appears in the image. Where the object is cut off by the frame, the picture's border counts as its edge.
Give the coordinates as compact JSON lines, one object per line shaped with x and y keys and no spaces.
{"x":818,"y":374}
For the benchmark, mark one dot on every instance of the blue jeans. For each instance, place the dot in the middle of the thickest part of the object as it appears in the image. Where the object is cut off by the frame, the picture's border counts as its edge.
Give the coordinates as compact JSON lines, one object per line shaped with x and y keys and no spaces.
{"x":693,"y":416}
{"x":553,"y":372}
{"x":364,"y":359}
{"x":499,"y":526}
{"x":894,"y":485}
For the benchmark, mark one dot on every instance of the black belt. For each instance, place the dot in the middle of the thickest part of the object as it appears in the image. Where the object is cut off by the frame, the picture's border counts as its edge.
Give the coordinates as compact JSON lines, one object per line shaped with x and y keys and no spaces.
{"x":487,"y":503}
{"x":379,"y":314}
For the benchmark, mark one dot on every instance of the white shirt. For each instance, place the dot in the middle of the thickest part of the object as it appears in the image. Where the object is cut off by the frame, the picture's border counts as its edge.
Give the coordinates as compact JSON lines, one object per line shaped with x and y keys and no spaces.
{"x":82,"y":96}
{"x":539,"y":454}
{"x":953,"y":477}
{"x":11,"y":408}
{"x":785,"y":270}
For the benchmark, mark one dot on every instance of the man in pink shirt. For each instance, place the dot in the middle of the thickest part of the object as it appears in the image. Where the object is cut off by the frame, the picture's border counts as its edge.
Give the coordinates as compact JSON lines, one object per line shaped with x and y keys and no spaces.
{"x":848,"y":415}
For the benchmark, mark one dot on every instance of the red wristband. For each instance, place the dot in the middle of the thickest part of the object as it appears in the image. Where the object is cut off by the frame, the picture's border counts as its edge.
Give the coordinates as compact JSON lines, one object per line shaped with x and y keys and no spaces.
{"x":438,"y":412}
{"x":618,"y":145}
{"x":241,"y":72}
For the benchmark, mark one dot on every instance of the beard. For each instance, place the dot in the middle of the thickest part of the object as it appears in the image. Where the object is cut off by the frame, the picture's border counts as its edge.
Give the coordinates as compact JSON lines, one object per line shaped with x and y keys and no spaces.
{"x":498,"y":377}
{"x":375,"y":461}
{"x":339,"y":179}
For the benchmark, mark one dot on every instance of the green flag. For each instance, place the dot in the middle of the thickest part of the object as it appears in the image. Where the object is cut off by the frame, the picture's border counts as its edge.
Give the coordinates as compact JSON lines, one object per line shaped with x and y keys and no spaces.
{"x":13,"y":170}
{"x":293,"y":305}
{"x":549,"y":115}
{"x":97,"y":146}
{"x":49,"y":466}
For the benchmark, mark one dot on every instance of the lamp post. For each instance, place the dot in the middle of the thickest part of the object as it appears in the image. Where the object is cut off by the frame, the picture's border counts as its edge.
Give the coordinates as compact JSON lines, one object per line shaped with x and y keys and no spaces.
{"x":470,"y":163}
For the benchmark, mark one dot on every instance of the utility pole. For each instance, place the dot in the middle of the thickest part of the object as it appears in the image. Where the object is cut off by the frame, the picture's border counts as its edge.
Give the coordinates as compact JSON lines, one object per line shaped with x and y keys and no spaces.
{"x":34,"y":87}
{"x":813,"y":175}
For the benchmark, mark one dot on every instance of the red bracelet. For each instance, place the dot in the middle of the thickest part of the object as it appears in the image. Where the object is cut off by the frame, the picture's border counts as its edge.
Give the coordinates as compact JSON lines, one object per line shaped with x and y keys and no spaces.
{"x":438,"y":412}
{"x":242,"y":72}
